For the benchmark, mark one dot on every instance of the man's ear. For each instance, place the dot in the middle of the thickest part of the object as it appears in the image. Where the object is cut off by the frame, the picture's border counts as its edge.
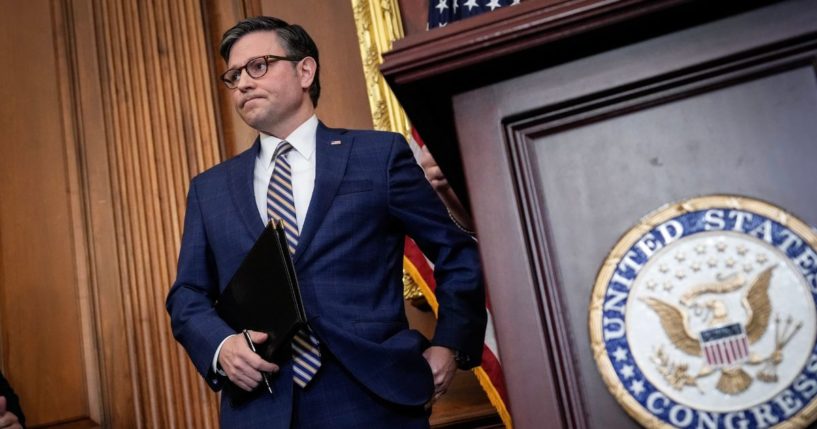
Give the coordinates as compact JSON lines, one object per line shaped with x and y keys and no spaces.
{"x":306,"y":70}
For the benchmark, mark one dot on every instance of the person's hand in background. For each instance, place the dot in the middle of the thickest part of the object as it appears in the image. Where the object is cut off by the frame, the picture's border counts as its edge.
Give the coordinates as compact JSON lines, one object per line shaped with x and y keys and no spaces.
{"x":8,"y":420}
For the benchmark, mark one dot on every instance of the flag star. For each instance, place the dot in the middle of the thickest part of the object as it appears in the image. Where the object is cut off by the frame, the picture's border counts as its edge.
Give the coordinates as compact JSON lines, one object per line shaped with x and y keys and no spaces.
{"x":747,"y":267}
{"x":696,"y":266}
{"x":742,"y":250}
{"x":620,"y":354}
{"x":667,"y":286}
{"x":700,"y":249}
{"x":627,"y":371}
{"x":663,"y":268}
{"x":651,"y":284}
{"x":441,"y":5}
{"x":730,"y":263}
{"x":680,"y":274}
{"x":680,"y":256}
{"x":721,"y":246}
{"x":761,"y":258}
{"x":456,"y":5}
{"x":470,"y":4}
{"x":712,"y":262}
{"x":493,"y":4}
{"x":637,"y":387}
{"x":515,"y":2}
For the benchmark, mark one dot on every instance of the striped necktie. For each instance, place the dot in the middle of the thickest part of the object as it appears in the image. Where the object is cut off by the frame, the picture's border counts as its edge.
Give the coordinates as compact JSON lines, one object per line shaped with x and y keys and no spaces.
{"x":306,"y":352}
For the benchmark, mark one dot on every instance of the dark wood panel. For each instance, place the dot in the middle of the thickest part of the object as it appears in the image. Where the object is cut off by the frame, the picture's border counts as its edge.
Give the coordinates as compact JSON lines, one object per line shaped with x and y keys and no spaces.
{"x":591,"y":183}
{"x":556,"y":130}
{"x":427,"y":70}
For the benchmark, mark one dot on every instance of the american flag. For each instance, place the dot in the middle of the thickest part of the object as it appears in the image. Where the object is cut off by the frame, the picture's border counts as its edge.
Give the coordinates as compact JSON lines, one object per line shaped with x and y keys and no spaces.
{"x":442,"y":12}
{"x":421,"y":270}
{"x":725,"y":346}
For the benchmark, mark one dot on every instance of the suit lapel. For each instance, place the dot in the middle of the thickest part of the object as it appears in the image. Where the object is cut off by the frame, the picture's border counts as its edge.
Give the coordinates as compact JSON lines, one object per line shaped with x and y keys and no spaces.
{"x":241,"y":188}
{"x":332,"y":150}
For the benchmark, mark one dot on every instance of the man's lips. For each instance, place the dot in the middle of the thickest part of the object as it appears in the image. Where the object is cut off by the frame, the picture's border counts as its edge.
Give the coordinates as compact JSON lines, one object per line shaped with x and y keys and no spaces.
{"x":248,"y":99}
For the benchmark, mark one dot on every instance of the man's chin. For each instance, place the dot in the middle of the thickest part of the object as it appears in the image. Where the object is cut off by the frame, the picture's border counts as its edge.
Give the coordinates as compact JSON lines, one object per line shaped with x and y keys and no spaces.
{"x":258,"y":122}
{"x":252,"y":117}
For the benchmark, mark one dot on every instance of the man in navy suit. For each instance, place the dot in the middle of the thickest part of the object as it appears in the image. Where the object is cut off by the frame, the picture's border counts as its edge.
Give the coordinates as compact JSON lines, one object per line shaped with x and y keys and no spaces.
{"x":356,"y":195}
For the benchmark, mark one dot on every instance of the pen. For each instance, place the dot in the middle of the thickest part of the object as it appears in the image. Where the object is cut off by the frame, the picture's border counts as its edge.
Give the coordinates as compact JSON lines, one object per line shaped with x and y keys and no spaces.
{"x":252,"y":347}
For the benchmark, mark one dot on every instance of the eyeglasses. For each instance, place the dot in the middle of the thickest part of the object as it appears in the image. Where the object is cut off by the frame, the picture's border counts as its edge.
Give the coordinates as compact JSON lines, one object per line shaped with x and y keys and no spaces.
{"x":256,"y":67}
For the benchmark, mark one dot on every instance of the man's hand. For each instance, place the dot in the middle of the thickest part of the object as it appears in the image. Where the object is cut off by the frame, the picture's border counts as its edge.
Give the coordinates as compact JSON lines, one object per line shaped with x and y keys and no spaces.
{"x":242,"y":365}
{"x":7,"y":419}
{"x":433,"y":173}
{"x":443,"y":366}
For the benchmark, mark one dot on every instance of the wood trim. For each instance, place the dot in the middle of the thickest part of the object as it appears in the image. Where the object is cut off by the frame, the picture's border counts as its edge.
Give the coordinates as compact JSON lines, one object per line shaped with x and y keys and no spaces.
{"x":726,"y":71}
{"x":158,"y":104}
{"x":517,"y":306}
{"x":73,"y":129}
{"x":78,"y":423}
{"x":544,"y":272}
{"x":506,"y":31}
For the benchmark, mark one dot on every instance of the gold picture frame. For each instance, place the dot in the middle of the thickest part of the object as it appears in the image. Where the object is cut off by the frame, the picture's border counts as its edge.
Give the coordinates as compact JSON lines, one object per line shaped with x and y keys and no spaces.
{"x":378,"y":26}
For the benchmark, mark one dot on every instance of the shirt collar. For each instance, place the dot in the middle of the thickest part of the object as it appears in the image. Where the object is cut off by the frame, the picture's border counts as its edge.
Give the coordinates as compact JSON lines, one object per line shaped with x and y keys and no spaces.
{"x":302,"y":140}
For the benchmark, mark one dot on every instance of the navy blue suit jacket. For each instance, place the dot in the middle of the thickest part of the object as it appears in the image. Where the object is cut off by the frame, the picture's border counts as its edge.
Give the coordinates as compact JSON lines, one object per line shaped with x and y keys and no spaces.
{"x":369,"y":194}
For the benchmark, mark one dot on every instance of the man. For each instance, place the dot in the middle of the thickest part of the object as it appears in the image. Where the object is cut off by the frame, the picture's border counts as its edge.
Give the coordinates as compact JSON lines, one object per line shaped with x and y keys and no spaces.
{"x":348,"y":199}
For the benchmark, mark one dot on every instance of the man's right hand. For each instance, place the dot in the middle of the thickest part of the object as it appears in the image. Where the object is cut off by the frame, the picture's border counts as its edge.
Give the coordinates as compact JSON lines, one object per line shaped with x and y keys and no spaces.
{"x":242,"y":365}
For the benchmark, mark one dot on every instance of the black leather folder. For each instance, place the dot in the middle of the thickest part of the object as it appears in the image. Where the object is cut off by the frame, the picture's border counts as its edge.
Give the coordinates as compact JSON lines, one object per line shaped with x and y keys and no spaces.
{"x":263,"y":295}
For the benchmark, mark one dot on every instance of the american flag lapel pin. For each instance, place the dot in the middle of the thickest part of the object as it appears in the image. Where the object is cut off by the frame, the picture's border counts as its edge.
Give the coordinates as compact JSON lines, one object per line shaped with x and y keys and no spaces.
{"x":334,"y":142}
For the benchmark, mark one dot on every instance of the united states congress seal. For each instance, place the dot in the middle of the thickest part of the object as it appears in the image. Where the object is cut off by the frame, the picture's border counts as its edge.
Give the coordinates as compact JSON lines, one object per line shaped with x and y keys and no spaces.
{"x":704,"y":316}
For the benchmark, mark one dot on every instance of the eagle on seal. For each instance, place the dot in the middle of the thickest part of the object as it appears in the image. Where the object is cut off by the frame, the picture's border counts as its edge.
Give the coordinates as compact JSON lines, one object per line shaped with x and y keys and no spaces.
{"x":756,"y":302}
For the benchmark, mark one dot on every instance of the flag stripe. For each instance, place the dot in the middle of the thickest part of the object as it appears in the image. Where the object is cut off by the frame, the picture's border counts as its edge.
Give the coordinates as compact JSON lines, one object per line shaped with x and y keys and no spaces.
{"x":489,"y":373}
{"x":726,"y":351}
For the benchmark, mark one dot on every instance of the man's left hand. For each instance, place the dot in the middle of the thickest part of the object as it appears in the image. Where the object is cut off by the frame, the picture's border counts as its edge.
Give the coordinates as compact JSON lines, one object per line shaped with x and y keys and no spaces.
{"x":443,"y":366}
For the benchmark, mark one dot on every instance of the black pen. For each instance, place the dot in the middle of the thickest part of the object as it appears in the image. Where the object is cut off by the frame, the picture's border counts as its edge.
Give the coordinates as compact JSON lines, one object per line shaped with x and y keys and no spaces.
{"x":252,"y":347}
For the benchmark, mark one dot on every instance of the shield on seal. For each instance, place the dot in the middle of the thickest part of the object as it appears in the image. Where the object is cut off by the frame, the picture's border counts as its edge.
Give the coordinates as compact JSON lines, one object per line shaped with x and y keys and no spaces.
{"x":725,"y":346}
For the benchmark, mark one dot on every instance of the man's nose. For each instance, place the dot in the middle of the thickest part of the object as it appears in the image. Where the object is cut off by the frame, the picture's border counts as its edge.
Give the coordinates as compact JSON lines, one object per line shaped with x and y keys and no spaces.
{"x":244,"y":80}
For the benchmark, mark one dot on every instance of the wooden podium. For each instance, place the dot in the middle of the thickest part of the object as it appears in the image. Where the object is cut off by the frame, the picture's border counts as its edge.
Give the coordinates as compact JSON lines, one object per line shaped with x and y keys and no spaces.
{"x":564,"y":122}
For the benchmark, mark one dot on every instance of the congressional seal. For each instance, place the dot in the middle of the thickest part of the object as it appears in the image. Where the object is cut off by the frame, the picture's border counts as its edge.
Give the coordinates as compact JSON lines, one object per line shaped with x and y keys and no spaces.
{"x":703,"y":316}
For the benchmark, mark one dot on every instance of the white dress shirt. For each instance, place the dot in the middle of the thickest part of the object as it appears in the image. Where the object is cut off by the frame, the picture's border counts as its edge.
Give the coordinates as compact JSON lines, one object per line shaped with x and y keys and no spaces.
{"x":302,"y":163}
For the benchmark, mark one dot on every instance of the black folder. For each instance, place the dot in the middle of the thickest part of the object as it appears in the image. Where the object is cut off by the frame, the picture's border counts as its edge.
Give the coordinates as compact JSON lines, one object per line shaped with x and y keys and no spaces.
{"x":263,"y":295}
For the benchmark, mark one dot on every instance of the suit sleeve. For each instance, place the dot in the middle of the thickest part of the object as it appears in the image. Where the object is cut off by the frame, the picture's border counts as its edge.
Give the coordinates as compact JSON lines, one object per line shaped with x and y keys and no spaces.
{"x":190,"y":300}
{"x":460,"y":291}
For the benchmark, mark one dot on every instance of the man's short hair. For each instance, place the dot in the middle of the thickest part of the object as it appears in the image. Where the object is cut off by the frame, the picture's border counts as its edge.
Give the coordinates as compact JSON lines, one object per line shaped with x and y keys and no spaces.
{"x":296,"y":43}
